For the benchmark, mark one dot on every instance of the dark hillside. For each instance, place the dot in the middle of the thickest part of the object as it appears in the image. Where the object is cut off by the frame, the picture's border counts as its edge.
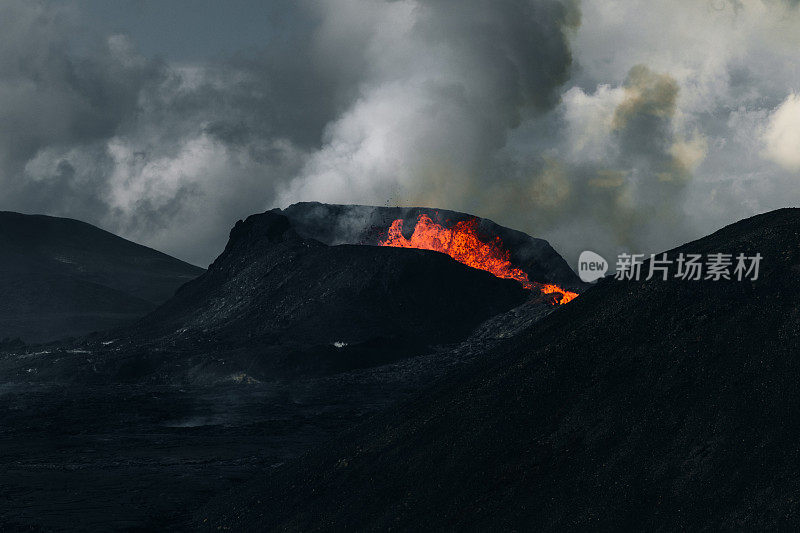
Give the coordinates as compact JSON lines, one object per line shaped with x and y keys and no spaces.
{"x":641,"y":405}
{"x":61,"y":277}
{"x":276,"y":305}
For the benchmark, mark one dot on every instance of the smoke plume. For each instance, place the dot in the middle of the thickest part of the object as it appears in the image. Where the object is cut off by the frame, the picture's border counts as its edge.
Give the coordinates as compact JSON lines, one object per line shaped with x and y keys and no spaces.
{"x":607,"y":125}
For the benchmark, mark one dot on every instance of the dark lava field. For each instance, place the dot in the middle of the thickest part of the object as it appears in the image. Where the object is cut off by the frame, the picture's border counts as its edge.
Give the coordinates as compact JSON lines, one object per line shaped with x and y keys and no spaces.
{"x":322,"y":383}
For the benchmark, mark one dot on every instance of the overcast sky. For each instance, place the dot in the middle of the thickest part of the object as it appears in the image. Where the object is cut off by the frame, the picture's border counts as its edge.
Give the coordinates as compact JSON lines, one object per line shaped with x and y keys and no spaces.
{"x":610,"y":125}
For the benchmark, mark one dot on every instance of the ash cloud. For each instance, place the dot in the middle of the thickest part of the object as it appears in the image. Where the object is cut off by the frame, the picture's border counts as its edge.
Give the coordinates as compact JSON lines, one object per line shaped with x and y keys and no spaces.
{"x":651,"y":125}
{"x":442,"y":89}
{"x":602,"y":124}
{"x":678,"y":120}
{"x":621,"y":173}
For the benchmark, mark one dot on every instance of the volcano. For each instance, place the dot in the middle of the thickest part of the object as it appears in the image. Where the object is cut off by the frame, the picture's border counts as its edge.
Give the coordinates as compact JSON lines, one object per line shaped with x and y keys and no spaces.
{"x":640,"y":405}
{"x":277,"y":304}
{"x":474,"y":241}
{"x":305,"y":385}
{"x":282,"y":342}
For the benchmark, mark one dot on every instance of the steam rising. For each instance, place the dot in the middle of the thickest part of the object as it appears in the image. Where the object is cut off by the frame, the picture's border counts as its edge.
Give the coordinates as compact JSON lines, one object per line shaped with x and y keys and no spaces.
{"x":604,"y":125}
{"x":442,"y":89}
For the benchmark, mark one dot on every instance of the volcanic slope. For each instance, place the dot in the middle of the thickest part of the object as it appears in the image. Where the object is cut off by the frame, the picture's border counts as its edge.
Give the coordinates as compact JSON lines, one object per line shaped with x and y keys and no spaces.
{"x":275,"y":305}
{"x":61,"y":277}
{"x":656,"y":405}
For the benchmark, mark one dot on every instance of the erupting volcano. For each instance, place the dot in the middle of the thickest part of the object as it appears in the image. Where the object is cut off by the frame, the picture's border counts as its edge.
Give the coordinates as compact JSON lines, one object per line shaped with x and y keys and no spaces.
{"x":461,"y":242}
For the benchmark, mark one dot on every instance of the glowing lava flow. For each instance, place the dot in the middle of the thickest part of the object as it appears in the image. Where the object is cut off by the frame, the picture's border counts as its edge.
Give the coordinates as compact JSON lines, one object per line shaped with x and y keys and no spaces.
{"x":461,"y":242}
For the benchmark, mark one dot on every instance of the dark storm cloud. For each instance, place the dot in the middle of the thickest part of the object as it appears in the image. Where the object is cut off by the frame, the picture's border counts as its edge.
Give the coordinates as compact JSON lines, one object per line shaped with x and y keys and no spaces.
{"x":173,"y":153}
{"x":89,"y":124}
{"x":640,"y":126}
{"x":50,"y":97}
{"x":519,"y":45}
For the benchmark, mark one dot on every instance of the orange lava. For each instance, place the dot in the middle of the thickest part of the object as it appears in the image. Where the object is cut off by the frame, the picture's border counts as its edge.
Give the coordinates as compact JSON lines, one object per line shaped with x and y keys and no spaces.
{"x":461,"y":242}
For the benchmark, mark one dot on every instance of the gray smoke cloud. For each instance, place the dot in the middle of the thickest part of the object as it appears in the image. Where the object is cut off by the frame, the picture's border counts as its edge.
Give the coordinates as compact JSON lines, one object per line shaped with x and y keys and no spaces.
{"x":607,"y":125}
{"x":441,"y":90}
{"x":169,"y":155}
{"x":629,"y":179}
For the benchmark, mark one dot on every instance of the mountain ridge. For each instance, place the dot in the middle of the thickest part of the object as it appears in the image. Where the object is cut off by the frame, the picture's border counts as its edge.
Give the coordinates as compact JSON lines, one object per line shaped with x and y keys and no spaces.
{"x":62,"y":277}
{"x":275,"y":304}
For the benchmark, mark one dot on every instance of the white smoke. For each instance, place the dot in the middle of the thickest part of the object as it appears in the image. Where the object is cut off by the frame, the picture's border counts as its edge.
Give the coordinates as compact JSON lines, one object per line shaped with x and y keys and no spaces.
{"x":609,"y":125}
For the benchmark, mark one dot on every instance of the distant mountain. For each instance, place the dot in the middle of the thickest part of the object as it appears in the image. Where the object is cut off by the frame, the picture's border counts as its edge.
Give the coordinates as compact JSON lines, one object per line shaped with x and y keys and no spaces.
{"x":642,"y":405}
{"x":61,"y":277}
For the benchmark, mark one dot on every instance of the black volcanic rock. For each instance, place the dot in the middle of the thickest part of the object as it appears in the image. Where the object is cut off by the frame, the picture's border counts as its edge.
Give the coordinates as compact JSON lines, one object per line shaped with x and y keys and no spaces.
{"x":363,"y":224}
{"x":645,"y":405}
{"x":61,"y":277}
{"x":275,"y":302}
{"x":276,"y":305}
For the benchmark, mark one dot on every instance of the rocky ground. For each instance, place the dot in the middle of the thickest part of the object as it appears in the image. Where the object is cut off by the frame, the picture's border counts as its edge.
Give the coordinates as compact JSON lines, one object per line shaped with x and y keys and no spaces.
{"x":283,"y":346}
{"x":148,"y":456}
{"x":655,"y":405}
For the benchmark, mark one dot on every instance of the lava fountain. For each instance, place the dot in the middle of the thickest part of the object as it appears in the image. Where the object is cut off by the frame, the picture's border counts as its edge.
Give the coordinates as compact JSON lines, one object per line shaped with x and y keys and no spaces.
{"x":461,"y":242}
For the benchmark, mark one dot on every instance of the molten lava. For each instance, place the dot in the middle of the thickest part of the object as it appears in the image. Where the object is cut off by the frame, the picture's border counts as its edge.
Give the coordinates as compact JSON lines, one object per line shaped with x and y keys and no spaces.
{"x":461,"y":242}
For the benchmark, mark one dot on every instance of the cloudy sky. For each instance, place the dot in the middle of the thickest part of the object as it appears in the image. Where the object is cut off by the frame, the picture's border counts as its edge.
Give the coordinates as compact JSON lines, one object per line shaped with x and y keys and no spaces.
{"x":611,"y":125}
